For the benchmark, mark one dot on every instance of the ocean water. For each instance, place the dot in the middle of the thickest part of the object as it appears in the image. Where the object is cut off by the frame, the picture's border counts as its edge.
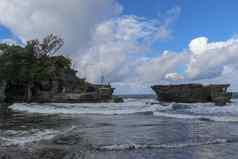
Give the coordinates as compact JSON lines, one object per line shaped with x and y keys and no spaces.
{"x":136,"y":129}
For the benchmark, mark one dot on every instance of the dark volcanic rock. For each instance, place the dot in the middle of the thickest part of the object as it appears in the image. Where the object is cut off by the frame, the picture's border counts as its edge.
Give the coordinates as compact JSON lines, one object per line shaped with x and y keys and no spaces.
{"x":70,"y":89}
{"x":2,"y":91}
{"x":193,"y":93}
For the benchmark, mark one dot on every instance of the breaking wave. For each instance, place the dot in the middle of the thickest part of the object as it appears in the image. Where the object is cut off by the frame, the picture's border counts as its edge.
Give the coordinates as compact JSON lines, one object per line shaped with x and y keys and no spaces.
{"x":161,"y":146}
{"x":129,"y":107}
{"x":198,"y":111}
{"x":201,"y":111}
{"x":24,"y":137}
{"x":197,"y":117}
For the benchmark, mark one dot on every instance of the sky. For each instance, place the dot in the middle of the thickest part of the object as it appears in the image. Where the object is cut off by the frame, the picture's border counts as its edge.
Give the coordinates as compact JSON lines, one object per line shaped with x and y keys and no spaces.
{"x":134,"y":44}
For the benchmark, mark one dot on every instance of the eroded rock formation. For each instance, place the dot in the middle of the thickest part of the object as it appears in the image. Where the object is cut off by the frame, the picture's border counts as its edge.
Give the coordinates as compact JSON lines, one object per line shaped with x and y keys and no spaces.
{"x":192,"y":93}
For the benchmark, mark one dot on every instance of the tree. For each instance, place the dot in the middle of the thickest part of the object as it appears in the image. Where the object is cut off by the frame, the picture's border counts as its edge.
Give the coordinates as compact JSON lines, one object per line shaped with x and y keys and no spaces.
{"x":49,"y":45}
{"x":32,"y":63}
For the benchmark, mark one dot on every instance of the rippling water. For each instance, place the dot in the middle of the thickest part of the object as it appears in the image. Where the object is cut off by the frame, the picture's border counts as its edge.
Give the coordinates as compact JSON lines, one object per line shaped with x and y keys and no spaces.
{"x":134,"y":129}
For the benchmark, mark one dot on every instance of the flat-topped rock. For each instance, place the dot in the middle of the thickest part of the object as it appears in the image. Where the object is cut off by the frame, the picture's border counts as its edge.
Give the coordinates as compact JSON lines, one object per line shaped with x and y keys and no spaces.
{"x":193,"y":93}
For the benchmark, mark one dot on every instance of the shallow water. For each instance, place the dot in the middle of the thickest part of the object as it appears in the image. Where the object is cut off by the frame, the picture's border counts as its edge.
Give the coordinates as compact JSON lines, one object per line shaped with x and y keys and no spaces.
{"x":134,"y":129}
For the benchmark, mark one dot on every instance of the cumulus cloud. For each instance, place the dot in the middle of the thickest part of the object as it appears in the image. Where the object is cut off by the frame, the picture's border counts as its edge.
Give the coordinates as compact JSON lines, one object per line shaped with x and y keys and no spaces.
{"x":73,"y":20}
{"x":96,"y":35}
{"x":156,"y":69}
{"x":174,"y":77}
{"x":102,"y":41}
{"x":209,"y":59}
{"x":199,"y":45}
{"x":105,"y":42}
{"x":119,"y":45}
{"x":113,"y":42}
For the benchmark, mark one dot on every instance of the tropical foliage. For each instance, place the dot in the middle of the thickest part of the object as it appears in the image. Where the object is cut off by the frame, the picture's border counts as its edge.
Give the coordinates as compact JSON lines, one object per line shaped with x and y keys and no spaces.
{"x":33,"y":62}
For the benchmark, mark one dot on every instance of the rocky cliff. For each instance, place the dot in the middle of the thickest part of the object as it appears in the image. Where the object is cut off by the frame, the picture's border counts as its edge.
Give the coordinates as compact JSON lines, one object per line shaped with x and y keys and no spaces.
{"x":193,"y":93}
{"x":33,"y":73}
{"x":74,"y":90}
{"x":2,"y":91}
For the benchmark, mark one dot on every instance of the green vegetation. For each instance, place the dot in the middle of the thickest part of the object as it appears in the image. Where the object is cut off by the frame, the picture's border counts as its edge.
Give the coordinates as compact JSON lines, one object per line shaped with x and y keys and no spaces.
{"x":25,"y":64}
{"x":34,"y":62}
{"x":34,"y":73}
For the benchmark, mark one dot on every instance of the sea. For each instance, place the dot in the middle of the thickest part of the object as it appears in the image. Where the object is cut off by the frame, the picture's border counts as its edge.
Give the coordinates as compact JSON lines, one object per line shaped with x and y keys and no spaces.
{"x":139,"y":128}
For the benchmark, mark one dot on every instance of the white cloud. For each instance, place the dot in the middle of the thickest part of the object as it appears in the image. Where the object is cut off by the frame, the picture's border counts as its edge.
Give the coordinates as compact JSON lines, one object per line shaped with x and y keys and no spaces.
{"x":73,"y":20}
{"x":174,"y":77}
{"x":156,"y":69}
{"x":132,"y":88}
{"x":97,"y":36}
{"x":118,"y":47}
{"x":10,"y":42}
{"x":169,"y":18}
{"x":204,"y":62}
{"x":209,"y":59}
{"x":199,"y":45}
{"x":93,"y":31}
{"x":102,"y":41}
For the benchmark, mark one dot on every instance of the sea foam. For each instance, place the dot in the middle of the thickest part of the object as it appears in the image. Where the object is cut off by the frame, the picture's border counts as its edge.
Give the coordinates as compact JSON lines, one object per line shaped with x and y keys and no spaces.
{"x":122,"y":147}
{"x":198,"y":111}
{"x":129,"y":107}
{"x":25,"y":138}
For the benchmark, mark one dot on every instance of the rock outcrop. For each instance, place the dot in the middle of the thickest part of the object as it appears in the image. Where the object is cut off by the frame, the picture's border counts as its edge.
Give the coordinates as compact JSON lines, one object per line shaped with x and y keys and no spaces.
{"x":2,"y":91}
{"x":33,"y":73}
{"x":69,"y":89}
{"x":192,"y":93}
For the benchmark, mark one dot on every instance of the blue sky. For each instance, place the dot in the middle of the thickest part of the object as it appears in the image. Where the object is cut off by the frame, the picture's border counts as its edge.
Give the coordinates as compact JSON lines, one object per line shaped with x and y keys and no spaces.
{"x":200,"y":38}
{"x":4,"y":32}
{"x":211,"y":18}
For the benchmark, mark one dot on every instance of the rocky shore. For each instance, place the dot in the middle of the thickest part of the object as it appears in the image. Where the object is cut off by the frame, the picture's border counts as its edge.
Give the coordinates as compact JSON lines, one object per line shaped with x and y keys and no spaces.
{"x":193,"y":93}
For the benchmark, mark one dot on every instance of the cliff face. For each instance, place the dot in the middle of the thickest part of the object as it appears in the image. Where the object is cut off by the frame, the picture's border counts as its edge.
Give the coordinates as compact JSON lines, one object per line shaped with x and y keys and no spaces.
{"x":69,"y":89}
{"x":33,"y":73}
{"x":2,"y":91}
{"x":192,"y":93}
